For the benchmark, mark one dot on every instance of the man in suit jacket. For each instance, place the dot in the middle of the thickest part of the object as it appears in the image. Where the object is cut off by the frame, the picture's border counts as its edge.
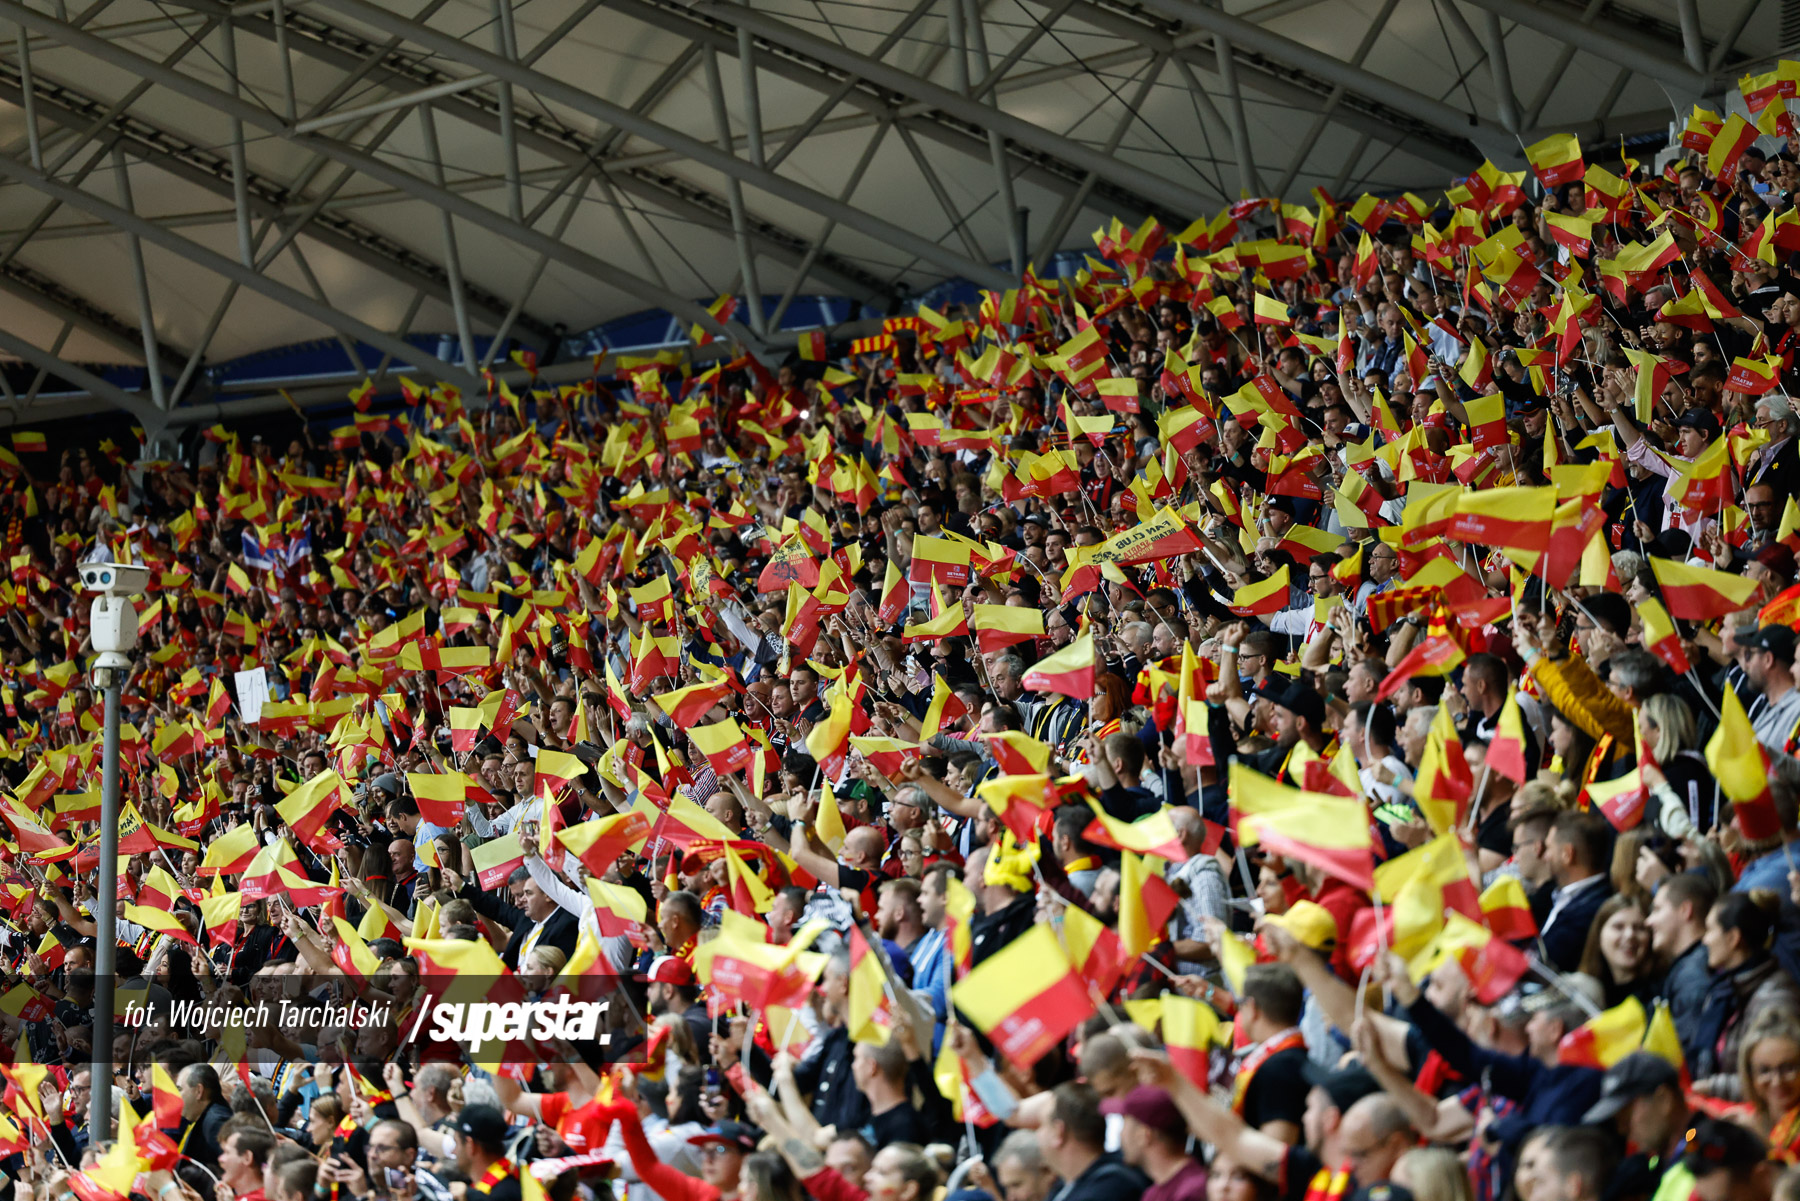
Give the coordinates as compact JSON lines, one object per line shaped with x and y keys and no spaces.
{"x":536,"y":921}
{"x":1579,"y":851}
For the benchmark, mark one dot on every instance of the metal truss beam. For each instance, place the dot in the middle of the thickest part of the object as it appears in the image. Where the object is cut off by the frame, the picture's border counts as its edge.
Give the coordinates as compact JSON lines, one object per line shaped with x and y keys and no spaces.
{"x":1310,"y":142}
{"x":879,"y":105}
{"x":248,"y":277}
{"x":1334,"y":71}
{"x":702,"y":153}
{"x":1163,"y":191}
{"x":146,"y":412}
{"x":213,"y":172}
{"x":1160,"y":35}
{"x":374,"y":168}
{"x":61,"y":302}
{"x":331,"y":44}
{"x":1615,"y":45}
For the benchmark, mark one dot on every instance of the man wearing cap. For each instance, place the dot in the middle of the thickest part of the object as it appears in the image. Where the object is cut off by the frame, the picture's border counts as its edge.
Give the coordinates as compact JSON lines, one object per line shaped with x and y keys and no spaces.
{"x":1641,"y":1098}
{"x":1767,"y":654}
{"x":1154,"y":1141}
{"x":721,"y":1149}
{"x":481,"y":1132}
{"x":1310,"y":924}
{"x":1729,"y":1163}
{"x":1336,"y":898}
{"x":674,"y":992}
{"x":1696,"y":430}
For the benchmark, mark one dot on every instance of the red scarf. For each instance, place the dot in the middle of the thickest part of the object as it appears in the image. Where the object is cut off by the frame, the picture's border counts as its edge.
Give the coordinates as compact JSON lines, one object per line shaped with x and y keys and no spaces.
{"x":497,"y":1171}
{"x":1327,"y":1185}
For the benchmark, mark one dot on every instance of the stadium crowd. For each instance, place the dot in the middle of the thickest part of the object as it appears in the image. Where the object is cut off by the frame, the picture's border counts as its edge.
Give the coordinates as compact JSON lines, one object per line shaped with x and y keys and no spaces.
{"x":1302,"y":708}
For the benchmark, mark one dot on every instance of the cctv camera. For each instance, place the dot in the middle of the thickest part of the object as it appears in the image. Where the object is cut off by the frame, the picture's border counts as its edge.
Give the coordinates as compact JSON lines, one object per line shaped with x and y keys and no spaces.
{"x":112,"y":626}
{"x":115,"y":579}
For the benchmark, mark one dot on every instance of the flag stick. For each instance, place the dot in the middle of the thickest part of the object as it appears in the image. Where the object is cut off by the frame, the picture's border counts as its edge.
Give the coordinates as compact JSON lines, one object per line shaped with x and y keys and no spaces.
{"x":793,"y":1020}
{"x":1563,"y":984}
{"x":1480,"y":792}
{"x":1159,"y":967}
{"x":968,"y":1118}
{"x":1703,"y":694}
{"x":1381,"y":933}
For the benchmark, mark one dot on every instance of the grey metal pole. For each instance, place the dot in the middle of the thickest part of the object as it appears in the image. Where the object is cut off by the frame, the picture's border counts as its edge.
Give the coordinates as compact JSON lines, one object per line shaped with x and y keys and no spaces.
{"x":106,"y":932}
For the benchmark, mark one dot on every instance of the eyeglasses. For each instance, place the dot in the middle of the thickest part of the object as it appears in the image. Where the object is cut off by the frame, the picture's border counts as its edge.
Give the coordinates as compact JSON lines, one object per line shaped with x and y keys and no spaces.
{"x":715,"y":1151}
{"x":1776,"y":1071}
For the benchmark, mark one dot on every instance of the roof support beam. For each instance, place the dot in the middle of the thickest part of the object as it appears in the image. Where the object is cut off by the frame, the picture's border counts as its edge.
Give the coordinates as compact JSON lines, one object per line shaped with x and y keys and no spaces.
{"x":452,"y":257}
{"x":1693,"y":42}
{"x":1070,"y":209}
{"x":202,"y":167}
{"x":704,"y":154}
{"x":806,"y":264}
{"x":45,"y":294}
{"x":383,"y":64}
{"x":1746,"y":10}
{"x":42,"y":376}
{"x":1174,"y":196}
{"x":1248,"y":183}
{"x":977,"y":60}
{"x":153,"y":418}
{"x":140,"y":279}
{"x":734,"y":194}
{"x":1304,"y":149}
{"x":1425,"y":141}
{"x":371,"y":166}
{"x":578,"y":178}
{"x":877,"y":105}
{"x":1333,"y":70}
{"x":131,"y":224}
{"x":1598,"y":40}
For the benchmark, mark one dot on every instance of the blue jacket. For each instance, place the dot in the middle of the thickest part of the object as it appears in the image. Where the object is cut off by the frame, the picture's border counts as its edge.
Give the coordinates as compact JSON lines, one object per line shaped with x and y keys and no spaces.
{"x":1546,"y":1095}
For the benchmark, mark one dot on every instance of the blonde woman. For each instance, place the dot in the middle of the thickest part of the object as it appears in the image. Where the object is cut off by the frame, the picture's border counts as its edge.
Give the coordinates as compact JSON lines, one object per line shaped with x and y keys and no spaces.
{"x":1769,"y":1066}
{"x":1433,"y":1174}
{"x":1680,"y":782}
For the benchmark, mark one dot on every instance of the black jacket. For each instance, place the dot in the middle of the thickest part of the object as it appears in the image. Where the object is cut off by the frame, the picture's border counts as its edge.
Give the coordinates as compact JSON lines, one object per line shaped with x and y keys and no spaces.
{"x":1107,"y":1179}
{"x":561,"y":930}
{"x":836,"y":1101}
{"x":1685,"y":988}
{"x":1567,"y":936}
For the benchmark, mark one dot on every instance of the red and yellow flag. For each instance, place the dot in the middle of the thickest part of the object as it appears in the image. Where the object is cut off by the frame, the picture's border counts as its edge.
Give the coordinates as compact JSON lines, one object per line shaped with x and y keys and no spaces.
{"x":1025,"y":998}
{"x":1699,"y":593}
{"x":1741,"y":767}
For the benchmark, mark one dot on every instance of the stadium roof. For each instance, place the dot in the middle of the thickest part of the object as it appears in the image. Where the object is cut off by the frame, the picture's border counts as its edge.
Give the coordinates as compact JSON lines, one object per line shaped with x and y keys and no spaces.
{"x":185,"y":184}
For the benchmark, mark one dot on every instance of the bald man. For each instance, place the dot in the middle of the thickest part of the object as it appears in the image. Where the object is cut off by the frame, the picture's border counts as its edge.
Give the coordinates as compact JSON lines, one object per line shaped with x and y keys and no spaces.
{"x":857,"y":866}
{"x":1374,"y":1134}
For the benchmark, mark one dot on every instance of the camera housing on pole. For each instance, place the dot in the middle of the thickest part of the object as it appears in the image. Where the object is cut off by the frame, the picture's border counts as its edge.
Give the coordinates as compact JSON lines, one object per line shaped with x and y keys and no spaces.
{"x":113,"y":624}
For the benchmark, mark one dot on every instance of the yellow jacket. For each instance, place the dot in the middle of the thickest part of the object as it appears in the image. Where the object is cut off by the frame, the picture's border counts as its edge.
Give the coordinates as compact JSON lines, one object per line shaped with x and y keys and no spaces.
{"x":1571,"y":686}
